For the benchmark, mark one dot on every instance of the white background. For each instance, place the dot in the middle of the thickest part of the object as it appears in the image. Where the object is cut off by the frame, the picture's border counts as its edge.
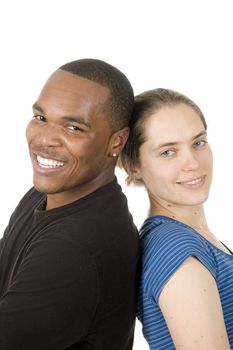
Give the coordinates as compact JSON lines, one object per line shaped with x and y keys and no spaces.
{"x":184,"y":45}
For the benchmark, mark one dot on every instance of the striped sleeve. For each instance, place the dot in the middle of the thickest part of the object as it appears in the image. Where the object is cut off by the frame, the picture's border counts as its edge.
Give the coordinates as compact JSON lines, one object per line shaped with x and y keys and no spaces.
{"x":164,"y":250}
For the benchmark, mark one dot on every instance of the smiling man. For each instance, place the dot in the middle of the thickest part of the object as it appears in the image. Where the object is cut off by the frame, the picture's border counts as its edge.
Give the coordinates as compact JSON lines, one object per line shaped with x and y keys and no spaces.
{"x":69,"y":255}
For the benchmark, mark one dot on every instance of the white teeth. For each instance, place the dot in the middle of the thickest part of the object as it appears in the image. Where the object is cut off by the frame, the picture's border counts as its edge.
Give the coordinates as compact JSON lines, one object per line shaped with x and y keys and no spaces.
{"x":193,"y":182}
{"x":48,"y":163}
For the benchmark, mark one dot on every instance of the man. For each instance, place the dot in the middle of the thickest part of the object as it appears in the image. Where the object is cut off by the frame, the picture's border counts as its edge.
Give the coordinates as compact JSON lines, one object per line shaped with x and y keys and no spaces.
{"x":69,"y":254}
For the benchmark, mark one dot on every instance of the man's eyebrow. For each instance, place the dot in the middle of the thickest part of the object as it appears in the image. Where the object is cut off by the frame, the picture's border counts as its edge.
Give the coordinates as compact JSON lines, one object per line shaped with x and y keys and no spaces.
{"x":78,"y":120}
{"x":37,"y":107}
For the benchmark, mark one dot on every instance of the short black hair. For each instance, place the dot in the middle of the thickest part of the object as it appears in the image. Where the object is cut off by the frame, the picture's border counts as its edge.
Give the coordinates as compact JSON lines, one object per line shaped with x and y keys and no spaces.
{"x":119,"y":106}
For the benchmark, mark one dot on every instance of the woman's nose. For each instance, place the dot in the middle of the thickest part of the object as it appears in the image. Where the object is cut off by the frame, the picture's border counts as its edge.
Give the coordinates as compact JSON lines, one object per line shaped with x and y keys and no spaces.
{"x":190,"y":161}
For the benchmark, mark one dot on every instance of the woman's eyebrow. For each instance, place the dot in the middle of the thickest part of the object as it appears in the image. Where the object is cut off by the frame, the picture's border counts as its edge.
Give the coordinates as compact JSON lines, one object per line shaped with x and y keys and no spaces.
{"x":202,"y":133}
{"x":174,"y":143}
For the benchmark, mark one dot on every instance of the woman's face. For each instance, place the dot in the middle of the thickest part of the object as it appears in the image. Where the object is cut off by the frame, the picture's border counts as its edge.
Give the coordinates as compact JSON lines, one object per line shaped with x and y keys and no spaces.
{"x":175,"y":160}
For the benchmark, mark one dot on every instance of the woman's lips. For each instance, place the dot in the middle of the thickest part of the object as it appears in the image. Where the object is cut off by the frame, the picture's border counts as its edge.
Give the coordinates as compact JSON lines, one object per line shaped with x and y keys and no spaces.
{"x":193,"y":183}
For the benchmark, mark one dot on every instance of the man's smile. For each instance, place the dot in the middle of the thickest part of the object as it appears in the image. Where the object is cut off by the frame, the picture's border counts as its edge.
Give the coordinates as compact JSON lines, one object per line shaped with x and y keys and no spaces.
{"x":48,"y":163}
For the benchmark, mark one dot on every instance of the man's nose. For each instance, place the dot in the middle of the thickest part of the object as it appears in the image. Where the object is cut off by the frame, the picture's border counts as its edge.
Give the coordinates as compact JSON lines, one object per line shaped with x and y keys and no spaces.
{"x":50,"y":135}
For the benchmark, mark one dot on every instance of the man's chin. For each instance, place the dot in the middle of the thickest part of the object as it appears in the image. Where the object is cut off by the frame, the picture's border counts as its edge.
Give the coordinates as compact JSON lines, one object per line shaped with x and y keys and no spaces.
{"x":44,"y":188}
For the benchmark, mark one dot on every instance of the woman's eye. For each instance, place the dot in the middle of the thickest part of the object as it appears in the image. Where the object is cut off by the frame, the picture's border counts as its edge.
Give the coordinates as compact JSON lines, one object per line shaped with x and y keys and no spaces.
{"x":199,"y":144}
{"x":167,"y":153}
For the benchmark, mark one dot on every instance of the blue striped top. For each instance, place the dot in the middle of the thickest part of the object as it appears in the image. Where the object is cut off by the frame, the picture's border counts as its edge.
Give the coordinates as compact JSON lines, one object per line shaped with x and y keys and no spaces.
{"x":166,"y":243}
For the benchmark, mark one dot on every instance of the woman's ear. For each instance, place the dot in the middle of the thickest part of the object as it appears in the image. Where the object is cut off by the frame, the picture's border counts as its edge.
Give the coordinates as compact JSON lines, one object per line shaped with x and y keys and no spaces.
{"x":133,"y":171}
{"x":118,"y":141}
{"x":136,"y":173}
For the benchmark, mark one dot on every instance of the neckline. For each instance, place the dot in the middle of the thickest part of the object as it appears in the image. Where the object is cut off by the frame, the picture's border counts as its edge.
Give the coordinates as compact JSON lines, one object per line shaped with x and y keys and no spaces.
{"x":167,"y":218}
{"x":79,"y":203}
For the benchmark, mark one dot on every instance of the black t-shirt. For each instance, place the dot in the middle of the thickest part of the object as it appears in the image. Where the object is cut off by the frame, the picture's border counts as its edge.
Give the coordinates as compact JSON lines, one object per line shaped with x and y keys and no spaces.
{"x":67,"y":275}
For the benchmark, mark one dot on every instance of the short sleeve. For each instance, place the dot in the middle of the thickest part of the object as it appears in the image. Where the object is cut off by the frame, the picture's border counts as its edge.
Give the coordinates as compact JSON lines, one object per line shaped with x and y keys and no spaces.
{"x":164,"y":249}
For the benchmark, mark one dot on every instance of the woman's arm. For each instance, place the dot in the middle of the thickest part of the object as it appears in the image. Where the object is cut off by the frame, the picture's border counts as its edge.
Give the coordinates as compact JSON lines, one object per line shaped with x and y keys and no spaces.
{"x":191,"y":306}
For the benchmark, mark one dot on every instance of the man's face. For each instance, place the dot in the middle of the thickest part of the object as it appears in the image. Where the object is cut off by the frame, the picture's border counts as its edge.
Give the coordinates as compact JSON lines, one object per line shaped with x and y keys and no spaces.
{"x":69,"y":138}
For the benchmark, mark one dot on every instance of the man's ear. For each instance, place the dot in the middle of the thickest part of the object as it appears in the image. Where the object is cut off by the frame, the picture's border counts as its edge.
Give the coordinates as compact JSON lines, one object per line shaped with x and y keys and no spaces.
{"x":118,"y":141}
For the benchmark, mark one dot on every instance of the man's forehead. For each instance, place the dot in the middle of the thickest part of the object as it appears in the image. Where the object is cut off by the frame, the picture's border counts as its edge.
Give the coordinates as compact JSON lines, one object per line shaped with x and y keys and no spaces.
{"x":67,"y":80}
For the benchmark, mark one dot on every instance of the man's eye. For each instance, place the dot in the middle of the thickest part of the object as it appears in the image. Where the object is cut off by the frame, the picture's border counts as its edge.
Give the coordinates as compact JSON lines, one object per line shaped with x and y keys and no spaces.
{"x":74,"y":128}
{"x":167,"y":153}
{"x":40,"y":118}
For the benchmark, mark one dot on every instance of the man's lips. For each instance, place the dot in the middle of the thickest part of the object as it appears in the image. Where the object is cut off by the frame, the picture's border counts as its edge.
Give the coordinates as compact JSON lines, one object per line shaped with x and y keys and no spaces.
{"x":48,"y":163}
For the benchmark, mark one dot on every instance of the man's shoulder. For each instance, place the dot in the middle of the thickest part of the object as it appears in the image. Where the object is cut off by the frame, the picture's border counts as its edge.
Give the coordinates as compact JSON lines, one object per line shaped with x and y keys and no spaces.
{"x":31,"y":195}
{"x":28,"y":201}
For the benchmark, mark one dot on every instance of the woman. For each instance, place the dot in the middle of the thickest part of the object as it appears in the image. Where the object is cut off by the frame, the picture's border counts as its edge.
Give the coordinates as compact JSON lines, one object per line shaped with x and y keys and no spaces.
{"x":186,"y":287}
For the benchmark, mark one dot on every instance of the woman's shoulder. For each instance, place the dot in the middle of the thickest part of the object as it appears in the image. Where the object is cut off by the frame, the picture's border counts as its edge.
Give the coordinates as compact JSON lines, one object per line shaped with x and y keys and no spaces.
{"x":165,"y":244}
{"x":163,"y":239}
{"x":161,"y":230}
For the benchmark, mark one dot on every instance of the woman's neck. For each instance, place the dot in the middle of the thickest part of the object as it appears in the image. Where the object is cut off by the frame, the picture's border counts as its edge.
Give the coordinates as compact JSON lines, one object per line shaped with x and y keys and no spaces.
{"x":193,"y":216}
